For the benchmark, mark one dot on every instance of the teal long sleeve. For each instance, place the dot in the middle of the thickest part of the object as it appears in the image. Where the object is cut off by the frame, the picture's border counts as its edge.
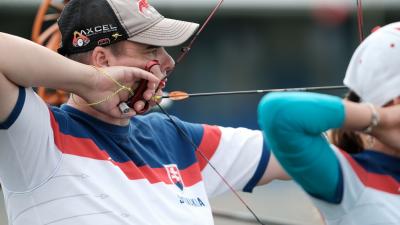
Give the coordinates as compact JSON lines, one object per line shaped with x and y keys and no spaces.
{"x":293,"y":124}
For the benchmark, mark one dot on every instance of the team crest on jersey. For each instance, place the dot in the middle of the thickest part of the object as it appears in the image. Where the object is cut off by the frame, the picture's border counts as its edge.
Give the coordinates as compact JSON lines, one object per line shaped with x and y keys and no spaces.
{"x":145,"y":8}
{"x":80,"y":40}
{"x":174,"y":175}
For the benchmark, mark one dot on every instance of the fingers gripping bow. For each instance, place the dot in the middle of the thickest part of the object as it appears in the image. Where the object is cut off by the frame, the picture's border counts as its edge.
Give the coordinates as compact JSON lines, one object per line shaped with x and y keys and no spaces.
{"x":139,"y":91}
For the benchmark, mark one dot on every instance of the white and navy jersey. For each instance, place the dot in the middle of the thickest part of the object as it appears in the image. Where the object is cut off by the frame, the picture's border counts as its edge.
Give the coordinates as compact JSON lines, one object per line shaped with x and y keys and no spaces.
{"x":60,"y":166}
{"x":371,"y":191}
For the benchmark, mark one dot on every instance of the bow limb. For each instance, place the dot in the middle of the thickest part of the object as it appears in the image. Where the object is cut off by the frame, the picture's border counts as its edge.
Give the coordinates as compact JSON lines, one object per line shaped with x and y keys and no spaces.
{"x":360,"y":20}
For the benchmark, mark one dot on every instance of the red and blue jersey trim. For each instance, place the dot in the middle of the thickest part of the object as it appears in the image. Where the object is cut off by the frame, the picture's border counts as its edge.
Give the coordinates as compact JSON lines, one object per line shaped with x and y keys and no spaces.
{"x":143,"y":167}
{"x":78,"y":134}
{"x":376,"y":170}
{"x":208,"y":145}
{"x":261,"y":168}
{"x":16,"y":110}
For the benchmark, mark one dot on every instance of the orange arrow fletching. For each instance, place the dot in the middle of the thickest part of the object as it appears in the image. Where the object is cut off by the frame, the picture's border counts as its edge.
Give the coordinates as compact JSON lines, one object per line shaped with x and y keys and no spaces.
{"x":178,"y":95}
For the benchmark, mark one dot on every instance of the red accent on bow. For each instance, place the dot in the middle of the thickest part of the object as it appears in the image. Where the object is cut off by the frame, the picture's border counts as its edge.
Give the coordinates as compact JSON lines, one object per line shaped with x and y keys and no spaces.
{"x":141,"y":88}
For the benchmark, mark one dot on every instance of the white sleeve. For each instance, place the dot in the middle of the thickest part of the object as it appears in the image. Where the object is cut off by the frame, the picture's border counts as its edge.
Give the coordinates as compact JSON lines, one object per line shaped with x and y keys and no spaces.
{"x":239,"y":155}
{"x":28,"y":155}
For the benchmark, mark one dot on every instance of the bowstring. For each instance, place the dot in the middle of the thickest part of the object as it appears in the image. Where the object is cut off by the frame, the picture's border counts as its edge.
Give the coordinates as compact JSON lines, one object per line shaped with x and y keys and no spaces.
{"x":185,"y":50}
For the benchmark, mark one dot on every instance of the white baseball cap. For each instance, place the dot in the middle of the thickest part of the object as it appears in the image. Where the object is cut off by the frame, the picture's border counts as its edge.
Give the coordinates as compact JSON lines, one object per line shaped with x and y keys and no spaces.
{"x":374,"y":69}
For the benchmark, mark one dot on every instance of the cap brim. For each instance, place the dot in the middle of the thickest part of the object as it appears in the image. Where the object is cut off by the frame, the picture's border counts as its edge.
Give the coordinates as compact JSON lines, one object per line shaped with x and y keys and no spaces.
{"x":166,"y":33}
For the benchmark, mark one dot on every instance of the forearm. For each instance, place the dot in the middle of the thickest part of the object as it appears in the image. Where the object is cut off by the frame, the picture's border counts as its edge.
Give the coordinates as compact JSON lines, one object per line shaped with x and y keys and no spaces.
{"x":358,"y":116}
{"x":26,"y":64}
{"x":308,"y":113}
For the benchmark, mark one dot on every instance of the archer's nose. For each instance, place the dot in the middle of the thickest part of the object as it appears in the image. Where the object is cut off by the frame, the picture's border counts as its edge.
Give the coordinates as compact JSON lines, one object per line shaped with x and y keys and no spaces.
{"x":166,"y":61}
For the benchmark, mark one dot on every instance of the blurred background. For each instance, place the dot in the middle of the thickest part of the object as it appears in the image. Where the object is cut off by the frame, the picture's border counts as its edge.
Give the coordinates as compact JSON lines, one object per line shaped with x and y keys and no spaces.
{"x":250,"y":44}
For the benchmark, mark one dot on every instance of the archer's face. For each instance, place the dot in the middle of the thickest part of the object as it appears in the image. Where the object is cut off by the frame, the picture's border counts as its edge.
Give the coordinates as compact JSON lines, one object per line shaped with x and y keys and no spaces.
{"x":138,"y":55}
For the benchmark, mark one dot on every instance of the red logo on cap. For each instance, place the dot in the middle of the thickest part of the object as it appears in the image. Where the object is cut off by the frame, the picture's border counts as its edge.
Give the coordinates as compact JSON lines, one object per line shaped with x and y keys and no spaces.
{"x":80,"y":40}
{"x":143,"y":4}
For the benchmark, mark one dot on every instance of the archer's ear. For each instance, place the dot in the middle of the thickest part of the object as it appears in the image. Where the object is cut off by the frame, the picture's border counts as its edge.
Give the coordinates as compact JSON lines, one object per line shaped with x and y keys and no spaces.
{"x":100,"y":57}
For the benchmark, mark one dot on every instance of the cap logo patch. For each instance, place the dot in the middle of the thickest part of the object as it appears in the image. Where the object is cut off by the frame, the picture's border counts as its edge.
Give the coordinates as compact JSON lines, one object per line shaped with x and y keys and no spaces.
{"x":80,"y":40}
{"x":145,"y":8}
{"x":104,"y":41}
{"x":102,"y":29}
{"x":116,"y":36}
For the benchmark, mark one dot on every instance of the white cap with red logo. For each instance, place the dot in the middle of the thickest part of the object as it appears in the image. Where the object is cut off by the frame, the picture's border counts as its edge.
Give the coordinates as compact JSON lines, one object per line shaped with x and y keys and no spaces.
{"x":374,"y":70}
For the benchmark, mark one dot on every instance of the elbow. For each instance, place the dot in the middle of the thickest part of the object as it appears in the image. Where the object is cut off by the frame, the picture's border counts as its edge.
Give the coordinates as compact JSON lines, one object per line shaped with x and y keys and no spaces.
{"x":270,"y":108}
{"x":277,"y":113}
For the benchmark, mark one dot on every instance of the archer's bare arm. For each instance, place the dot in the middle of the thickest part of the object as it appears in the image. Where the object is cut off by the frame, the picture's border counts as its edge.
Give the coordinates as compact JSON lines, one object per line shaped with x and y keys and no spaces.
{"x":387,"y":131}
{"x":274,"y":171}
{"x":24,"y":63}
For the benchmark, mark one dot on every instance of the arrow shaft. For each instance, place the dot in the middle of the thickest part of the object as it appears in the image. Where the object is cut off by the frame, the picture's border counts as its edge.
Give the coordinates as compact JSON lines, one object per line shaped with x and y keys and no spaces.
{"x":262,"y":91}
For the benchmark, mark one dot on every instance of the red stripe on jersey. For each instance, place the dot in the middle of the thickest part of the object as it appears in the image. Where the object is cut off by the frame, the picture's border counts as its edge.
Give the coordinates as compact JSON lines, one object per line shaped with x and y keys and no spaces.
{"x":209,"y":144}
{"x":69,"y":144}
{"x":190,"y":175}
{"x":380,"y":182}
{"x":85,"y":147}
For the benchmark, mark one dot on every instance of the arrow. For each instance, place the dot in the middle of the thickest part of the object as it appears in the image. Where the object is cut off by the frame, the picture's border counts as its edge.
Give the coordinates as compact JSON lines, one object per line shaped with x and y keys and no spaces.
{"x":180,"y":95}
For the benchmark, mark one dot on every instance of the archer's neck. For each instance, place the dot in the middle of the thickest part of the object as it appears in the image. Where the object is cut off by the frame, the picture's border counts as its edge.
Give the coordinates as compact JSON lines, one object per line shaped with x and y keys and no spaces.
{"x":379,"y":147}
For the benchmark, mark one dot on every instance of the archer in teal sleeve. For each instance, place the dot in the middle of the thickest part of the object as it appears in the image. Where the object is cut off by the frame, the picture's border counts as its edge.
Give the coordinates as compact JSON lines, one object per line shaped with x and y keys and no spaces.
{"x":293,"y":124}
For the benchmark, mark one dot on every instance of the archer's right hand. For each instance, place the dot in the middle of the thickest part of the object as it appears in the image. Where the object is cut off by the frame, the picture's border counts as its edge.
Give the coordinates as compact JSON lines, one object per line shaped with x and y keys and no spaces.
{"x":105,"y":84}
